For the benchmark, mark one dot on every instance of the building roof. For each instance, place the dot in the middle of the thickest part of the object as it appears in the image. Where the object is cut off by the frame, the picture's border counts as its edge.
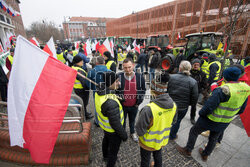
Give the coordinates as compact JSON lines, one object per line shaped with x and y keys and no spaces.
{"x":78,"y":19}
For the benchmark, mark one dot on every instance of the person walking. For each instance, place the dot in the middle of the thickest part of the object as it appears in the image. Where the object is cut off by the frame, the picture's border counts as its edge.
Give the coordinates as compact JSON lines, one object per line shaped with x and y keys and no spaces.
{"x":141,"y":61}
{"x":183,"y":89}
{"x":111,"y":118}
{"x":80,"y":86}
{"x":217,"y":113}
{"x":154,"y":122}
{"x":132,"y":90}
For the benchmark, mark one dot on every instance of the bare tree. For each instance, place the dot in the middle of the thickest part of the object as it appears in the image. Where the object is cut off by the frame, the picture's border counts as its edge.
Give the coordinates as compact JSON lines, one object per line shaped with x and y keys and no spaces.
{"x":44,"y":30}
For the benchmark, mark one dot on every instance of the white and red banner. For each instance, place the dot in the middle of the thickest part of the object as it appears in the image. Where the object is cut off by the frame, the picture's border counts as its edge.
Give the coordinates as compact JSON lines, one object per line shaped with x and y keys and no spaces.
{"x":136,"y":47}
{"x":88,"y":48}
{"x":50,"y":48}
{"x":34,"y":41}
{"x":105,"y":47}
{"x":178,"y":36}
{"x":112,"y":47}
{"x":39,"y":91}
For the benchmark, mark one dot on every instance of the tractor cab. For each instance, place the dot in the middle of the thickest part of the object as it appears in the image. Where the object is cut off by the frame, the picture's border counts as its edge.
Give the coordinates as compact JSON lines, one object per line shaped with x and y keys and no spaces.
{"x":158,"y":43}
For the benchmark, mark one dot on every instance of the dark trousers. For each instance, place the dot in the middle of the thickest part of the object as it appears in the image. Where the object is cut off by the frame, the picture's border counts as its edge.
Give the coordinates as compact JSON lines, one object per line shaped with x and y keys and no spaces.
{"x":146,"y":66}
{"x":146,"y":155}
{"x":131,"y":112}
{"x":110,"y":147}
{"x":84,"y":94}
{"x":3,"y":89}
{"x":176,"y":126}
{"x":192,"y":112}
{"x":193,"y":134}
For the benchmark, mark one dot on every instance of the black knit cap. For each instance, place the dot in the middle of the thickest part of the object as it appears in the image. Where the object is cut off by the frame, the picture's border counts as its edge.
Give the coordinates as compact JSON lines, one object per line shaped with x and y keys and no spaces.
{"x":76,"y":59}
{"x":196,"y":61}
{"x":110,"y":78}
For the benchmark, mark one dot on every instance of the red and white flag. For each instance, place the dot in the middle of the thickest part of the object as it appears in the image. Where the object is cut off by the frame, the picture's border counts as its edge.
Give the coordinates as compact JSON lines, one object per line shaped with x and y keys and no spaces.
{"x":50,"y":48}
{"x":1,"y":49}
{"x":97,"y":46}
{"x":39,"y":91}
{"x":88,"y":48}
{"x":105,"y":47}
{"x":34,"y":41}
{"x":112,"y":47}
{"x":179,"y":36}
{"x":136,"y":47}
{"x":128,"y":48}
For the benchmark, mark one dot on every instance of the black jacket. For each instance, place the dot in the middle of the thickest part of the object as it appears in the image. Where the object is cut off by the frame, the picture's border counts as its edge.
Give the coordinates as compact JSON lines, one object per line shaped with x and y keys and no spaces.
{"x":140,"y":85}
{"x":155,"y":60}
{"x":141,"y":59}
{"x":212,"y":72}
{"x":183,"y":90}
{"x":200,"y":78}
{"x":3,"y":77}
{"x":110,"y":109}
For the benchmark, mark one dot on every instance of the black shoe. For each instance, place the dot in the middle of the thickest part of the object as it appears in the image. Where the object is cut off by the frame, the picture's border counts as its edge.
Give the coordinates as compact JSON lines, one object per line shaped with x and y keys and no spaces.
{"x":89,"y":116}
{"x":192,"y":121}
{"x":173,"y":138}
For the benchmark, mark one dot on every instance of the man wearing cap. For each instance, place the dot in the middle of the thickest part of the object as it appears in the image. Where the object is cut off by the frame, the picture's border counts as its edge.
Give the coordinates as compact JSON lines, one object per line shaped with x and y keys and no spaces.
{"x":213,"y":69}
{"x":80,"y":86}
{"x":154,"y":122}
{"x":217,"y":113}
{"x":111,"y":118}
{"x":201,"y":80}
{"x":84,"y":58}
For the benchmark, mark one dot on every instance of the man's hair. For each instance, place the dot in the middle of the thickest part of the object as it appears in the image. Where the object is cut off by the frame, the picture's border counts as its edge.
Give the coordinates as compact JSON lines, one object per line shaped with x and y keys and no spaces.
{"x":128,"y":60}
{"x":185,"y":67}
{"x":100,"y":60}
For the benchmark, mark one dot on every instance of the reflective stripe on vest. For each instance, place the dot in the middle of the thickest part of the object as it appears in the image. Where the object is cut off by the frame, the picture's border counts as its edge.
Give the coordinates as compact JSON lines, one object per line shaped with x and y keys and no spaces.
{"x":158,"y":134}
{"x":10,"y":59}
{"x":104,"y":121}
{"x":60,"y":57}
{"x":207,"y":71}
{"x":109,"y":63}
{"x":226,"y":111}
{"x":78,"y":84}
{"x":74,"y":53}
{"x":204,"y":66}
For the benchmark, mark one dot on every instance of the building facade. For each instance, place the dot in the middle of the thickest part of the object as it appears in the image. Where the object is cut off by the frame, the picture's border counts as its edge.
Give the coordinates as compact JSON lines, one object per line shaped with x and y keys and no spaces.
{"x":184,"y":17}
{"x":10,"y":23}
{"x":77,"y":28}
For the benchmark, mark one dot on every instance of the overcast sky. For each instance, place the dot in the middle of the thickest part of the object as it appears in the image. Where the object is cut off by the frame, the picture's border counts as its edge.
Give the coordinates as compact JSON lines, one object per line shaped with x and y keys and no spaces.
{"x":55,"y":10}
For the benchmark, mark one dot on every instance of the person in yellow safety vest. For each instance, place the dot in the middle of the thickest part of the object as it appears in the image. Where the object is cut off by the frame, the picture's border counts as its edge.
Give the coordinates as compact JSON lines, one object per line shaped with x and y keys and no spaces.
{"x":213,"y":69}
{"x":121,"y":56}
{"x":217,"y":113}
{"x":204,"y":62}
{"x":9,"y":59}
{"x":80,"y":86}
{"x":74,"y":51}
{"x":111,"y":117}
{"x":109,"y":61}
{"x":155,"y":120}
{"x":59,"y":55}
{"x":245,"y":62}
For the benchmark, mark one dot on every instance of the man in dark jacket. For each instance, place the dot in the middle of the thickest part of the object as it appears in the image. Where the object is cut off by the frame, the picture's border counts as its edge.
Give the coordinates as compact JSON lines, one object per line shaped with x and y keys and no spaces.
{"x":217,"y":113}
{"x":180,"y":57}
{"x":111,"y":118}
{"x":213,"y":69}
{"x":141,"y":61}
{"x":201,"y":80}
{"x":132,"y":90}
{"x":183,"y":89}
{"x":84,"y":58}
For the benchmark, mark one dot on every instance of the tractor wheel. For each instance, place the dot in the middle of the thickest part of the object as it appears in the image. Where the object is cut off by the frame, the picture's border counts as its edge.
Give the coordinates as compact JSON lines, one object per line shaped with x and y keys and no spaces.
{"x":167,"y":64}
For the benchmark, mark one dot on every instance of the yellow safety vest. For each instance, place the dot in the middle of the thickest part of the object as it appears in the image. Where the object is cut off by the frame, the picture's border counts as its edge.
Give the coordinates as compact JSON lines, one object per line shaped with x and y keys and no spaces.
{"x":74,"y":52}
{"x":10,"y":59}
{"x":121,"y":56}
{"x":242,"y":62}
{"x":204,"y":66}
{"x":226,"y":111}
{"x":78,"y":84}
{"x":104,"y":121}
{"x":109,"y":63}
{"x":207,"y":71}
{"x":60,"y":57}
{"x":158,"y":134}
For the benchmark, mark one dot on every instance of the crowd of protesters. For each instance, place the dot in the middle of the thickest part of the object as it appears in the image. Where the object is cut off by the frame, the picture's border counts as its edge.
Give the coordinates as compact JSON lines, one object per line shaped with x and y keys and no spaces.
{"x":119,"y":86}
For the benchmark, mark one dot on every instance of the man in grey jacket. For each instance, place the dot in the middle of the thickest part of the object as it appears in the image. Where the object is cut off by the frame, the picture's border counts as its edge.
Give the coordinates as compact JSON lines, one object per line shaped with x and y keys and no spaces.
{"x":183,"y":89}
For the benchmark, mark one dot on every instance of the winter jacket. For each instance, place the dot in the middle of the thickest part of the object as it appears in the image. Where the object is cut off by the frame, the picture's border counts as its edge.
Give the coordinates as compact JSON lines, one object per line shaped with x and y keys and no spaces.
{"x":142,"y":59}
{"x":183,"y":90}
{"x":85,"y":60}
{"x":110,"y":109}
{"x":3,"y":77}
{"x":218,"y":96}
{"x":200,"y":78}
{"x":96,"y":75}
{"x":154,"y":60}
{"x":140,"y":85}
{"x":212,"y":72}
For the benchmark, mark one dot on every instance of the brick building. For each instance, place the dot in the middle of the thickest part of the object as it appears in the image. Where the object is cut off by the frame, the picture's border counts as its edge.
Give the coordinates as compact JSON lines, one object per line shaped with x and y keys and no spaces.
{"x":184,"y":17}
{"x":10,"y":25}
{"x":83,"y":27}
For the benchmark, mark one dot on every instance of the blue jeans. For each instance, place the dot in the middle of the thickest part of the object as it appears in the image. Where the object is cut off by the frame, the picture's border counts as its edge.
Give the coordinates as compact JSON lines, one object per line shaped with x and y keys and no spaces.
{"x":131,"y":112}
{"x":139,"y":65}
{"x":181,"y":114}
{"x":151,"y":74}
{"x":145,"y":157}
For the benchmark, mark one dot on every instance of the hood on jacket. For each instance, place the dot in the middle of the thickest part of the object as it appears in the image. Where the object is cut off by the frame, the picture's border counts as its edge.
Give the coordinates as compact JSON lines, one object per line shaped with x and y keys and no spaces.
{"x":163,"y":101}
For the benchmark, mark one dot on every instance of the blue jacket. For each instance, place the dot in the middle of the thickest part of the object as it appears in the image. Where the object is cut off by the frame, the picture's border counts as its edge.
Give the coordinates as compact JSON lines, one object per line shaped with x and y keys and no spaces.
{"x":85,"y":60}
{"x":210,"y":105}
{"x":96,"y":75}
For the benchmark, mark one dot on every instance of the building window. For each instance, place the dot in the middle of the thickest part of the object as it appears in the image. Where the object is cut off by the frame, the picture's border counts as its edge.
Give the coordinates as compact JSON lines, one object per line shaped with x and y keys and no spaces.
{"x":2,"y":18}
{"x":8,"y":20}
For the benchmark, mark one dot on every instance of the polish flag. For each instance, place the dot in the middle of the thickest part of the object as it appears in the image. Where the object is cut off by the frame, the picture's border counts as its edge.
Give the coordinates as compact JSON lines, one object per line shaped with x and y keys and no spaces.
{"x":1,"y":49}
{"x":179,"y":36}
{"x":112,"y":47}
{"x":128,"y":48}
{"x":34,"y":41}
{"x":39,"y":91}
{"x":50,"y":48}
{"x":136,"y":47}
{"x":88,"y":48}
{"x":97,"y":46}
{"x":93,"y":46}
{"x":134,"y":44}
{"x":105,"y":47}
